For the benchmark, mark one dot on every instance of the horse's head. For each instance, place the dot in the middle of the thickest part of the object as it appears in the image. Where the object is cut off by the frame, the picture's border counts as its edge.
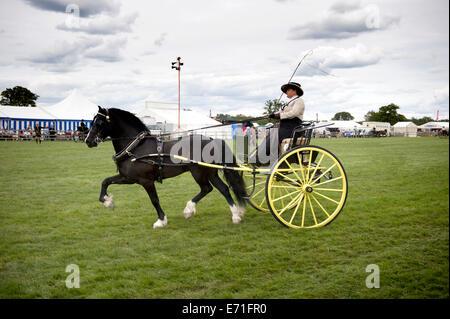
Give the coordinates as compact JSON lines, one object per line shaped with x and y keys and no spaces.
{"x":100,"y":128}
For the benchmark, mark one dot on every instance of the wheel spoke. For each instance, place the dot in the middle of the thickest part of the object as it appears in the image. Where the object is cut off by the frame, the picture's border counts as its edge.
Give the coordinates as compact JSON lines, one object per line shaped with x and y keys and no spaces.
{"x":326,"y":197}
{"x":263,"y":199}
{"x":317,"y":166}
{"x":312,"y":210}
{"x":303,"y":213}
{"x":288,"y":178}
{"x":281,"y":197}
{"x":309,"y":165}
{"x":323,"y":209}
{"x":330,"y":180}
{"x":295,"y":173}
{"x":301,"y":165}
{"x":284,"y":186}
{"x":330,"y":168}
{"x":299,"y":196}
{"x":329,"y":189}
{"x":258,"y":192}
{"x":257,"y":184}
{"x":296,"y":208}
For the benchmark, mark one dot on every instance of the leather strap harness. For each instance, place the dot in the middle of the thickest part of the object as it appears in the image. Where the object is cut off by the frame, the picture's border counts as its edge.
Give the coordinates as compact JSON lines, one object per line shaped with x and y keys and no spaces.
{"x":127,"y":152}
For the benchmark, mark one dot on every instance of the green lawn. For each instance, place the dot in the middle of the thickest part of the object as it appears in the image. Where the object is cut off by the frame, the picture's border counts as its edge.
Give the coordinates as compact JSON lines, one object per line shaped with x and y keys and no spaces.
{"x":396,"y":216}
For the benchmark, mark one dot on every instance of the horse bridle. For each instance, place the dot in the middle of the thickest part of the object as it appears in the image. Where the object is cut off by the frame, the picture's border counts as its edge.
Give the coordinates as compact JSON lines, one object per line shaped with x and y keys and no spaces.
{"x":127,"y":150}
{"x":106,"y":116}
{"x":97,"y":138}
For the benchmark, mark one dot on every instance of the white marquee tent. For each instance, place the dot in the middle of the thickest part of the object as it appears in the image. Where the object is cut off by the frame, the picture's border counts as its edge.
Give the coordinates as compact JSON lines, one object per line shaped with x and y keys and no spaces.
{"x":434,"y":126}
{"x":22,"y":117}
{"x":65,"y":115}
{"x":72,"y":110}
{"x":405,"y":129}
{"x":345,"y":125}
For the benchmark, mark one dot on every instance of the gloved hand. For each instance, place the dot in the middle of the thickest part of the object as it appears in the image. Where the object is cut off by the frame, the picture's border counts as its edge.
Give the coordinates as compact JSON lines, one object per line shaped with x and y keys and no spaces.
{"x":274,"y":116}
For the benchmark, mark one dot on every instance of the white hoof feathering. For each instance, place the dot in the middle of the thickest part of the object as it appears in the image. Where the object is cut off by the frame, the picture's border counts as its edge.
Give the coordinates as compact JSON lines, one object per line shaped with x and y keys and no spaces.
{"x":189,"y":210}
{"x":160,"y":223}
{"x":242,"y":211}
{"x":236,"y":218}
{"x":109,"y":203}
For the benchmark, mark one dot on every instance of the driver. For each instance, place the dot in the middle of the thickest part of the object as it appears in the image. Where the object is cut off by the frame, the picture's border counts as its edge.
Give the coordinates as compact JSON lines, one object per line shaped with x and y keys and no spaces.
{"x":290,"y":115}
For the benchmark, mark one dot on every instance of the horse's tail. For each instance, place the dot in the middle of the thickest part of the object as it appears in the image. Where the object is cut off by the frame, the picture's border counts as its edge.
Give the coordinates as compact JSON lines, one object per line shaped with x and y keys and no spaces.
{"x":236,"y":182}
{"x":234,"y":179}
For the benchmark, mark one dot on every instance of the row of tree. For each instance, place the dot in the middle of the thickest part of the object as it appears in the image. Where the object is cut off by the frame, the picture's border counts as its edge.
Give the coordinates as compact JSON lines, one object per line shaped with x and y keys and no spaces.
{"x":389,"y":113}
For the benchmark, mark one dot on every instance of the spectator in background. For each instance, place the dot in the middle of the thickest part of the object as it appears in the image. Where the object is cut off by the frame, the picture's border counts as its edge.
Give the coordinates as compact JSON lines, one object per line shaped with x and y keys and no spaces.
{"x":83,"y":126}
{"x":37,"y":133}
{"x":52,"y":133}
{"x":29,"y":133}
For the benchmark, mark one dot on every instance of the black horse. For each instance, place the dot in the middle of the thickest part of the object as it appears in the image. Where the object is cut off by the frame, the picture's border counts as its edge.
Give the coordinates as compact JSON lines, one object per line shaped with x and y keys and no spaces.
{"x":132,"y":141}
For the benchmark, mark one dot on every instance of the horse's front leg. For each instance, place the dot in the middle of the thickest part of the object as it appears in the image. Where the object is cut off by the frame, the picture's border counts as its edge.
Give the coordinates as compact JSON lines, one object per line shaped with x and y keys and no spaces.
{"x":116,"y":179}
{"x":151,"y":191}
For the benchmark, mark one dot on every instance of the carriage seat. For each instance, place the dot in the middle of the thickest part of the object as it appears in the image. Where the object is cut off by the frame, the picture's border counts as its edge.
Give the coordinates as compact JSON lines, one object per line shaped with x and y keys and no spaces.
{"x":286,"y":144}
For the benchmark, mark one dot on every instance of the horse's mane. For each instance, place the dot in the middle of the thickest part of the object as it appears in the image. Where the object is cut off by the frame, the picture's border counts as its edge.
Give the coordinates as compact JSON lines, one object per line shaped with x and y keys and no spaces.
{"x":129,"y":118}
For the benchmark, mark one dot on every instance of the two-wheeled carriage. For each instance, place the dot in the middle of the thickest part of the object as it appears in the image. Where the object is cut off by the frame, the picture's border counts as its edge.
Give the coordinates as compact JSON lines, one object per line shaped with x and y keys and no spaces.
{"x":305,"y":188}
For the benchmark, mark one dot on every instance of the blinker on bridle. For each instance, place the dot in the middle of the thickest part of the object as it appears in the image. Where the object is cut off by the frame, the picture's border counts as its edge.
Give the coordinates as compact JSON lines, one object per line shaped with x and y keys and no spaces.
{"x":106,"y":116}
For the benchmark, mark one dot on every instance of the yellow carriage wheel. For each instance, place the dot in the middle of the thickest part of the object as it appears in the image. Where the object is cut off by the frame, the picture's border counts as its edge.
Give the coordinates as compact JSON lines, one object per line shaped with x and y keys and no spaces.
{"x":306,"y":188}
{"x":258,"y":198}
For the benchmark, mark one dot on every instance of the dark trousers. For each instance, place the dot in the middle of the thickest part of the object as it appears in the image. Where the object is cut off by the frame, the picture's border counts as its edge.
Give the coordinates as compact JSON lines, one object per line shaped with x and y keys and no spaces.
{"x":285,"y":131}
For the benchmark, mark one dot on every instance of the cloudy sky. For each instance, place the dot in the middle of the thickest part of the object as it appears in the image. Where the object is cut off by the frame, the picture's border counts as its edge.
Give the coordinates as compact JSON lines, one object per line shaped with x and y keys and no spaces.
{"x":237,"y":53}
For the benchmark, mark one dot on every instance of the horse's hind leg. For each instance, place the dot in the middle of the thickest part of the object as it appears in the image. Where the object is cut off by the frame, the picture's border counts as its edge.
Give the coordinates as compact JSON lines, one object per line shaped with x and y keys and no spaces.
{"x":236,"y":211}
{"x":151,"y":191}
{"x":116,"y":179}
{"x":201,"y":177}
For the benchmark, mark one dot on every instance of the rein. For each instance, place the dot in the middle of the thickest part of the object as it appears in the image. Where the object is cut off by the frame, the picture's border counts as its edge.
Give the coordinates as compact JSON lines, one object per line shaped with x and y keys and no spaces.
{"x":218,"y":125}
{"x":186,"y":131}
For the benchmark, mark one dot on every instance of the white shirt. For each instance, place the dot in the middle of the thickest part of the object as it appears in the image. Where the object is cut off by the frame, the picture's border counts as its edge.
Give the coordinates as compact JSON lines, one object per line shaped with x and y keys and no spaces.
{"x":295,"y":108}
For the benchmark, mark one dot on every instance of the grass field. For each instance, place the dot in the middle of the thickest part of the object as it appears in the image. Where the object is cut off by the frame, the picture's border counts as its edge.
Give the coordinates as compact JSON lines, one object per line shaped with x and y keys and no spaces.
{"x":396,"y":216}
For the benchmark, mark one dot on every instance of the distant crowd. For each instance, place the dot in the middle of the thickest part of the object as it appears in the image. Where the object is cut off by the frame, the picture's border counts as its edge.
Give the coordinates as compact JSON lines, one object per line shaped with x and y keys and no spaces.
{"x":39,"y":134}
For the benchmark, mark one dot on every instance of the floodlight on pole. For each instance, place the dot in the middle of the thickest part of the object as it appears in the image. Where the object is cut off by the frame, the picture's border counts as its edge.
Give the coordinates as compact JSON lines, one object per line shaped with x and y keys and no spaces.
{"x":177,"y":66}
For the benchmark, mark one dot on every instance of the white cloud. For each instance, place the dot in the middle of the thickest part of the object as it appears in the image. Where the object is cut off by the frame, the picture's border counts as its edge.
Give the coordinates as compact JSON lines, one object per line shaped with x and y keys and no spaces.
{"x":109,"y":52}
{"x":441,"y":95}
{"x":159,"y":42}
{"x":70,"y":56}
{"x":343,"y":20}
{"x":441,"y":101}
{"x":86,"y":7}
{"x":101,"y":24}
{"x":328,"y":57}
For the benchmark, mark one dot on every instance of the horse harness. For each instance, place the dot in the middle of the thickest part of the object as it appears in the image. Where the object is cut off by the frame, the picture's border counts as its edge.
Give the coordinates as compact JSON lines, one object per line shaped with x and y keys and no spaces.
{"x":127,"y":152}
